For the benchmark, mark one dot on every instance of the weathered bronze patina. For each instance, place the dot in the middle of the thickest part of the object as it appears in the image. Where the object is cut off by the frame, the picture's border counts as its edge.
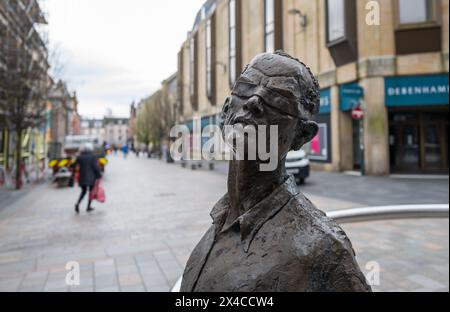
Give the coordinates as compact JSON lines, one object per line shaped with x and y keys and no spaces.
{"x":266,"y":235}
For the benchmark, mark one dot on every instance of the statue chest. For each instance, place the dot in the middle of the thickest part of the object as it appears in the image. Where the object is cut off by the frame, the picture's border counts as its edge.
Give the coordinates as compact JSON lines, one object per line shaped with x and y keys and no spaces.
{"x":269,"y":265}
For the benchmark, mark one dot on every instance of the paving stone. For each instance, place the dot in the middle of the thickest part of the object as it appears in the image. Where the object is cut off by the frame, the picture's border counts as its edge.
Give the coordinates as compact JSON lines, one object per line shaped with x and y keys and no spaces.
{"x":141,"y":238}
{"x":130,"y":279}
{"x":10,"y":285}
{"x":426,"y":282}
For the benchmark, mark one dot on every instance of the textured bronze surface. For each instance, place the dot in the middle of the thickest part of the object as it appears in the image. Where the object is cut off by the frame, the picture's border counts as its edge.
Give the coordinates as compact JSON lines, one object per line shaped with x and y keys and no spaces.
{"x":267,"y":236}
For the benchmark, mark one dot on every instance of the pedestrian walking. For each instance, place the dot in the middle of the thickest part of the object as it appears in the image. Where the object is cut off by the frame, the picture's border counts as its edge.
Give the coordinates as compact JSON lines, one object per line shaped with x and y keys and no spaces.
{"x":125,"y":151}
{"x":89,"y":173}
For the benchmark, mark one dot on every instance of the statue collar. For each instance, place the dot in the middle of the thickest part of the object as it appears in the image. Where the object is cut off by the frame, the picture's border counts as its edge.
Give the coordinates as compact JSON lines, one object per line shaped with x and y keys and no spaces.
{"x":252,"y":221}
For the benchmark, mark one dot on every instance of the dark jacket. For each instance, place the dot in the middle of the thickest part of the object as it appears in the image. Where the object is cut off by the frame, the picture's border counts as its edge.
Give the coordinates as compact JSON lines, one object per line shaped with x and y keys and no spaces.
{"x":283,"y":244}
{"x":89,"y":169}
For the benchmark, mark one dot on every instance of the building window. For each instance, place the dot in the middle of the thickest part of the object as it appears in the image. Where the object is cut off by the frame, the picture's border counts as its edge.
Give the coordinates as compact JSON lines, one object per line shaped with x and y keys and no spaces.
{"x":336,"y":20}
{"x":232,"y":62}
{"x":193,"y":71}
{"x":269,"y":25}
{"x":210,"y":59}
{"x":415,"y":11}
{"x":342,"y":31}
{"x":418,"y":19}
{"x":192,"y":66}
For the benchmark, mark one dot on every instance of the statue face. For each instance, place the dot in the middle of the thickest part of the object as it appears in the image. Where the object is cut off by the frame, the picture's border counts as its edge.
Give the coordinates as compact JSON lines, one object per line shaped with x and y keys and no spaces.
{"x":257,"y":99}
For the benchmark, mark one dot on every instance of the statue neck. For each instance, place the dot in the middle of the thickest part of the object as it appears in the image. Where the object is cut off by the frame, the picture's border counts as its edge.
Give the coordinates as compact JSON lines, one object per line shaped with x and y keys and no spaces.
{"x":247,"y":185}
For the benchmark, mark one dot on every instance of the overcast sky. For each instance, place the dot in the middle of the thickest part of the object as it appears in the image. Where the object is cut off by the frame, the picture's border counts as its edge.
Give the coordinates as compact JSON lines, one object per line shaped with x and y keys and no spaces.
{"x":117,"y":51}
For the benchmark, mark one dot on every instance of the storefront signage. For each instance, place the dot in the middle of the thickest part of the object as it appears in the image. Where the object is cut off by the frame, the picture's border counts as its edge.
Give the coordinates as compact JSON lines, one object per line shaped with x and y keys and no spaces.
{"x":325,"y":101}
{"x":417,"y":90}
{"x":350,"y":96}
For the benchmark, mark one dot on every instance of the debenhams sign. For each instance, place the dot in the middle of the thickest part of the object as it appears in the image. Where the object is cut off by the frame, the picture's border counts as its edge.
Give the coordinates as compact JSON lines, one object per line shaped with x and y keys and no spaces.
{"x":417,"y":90}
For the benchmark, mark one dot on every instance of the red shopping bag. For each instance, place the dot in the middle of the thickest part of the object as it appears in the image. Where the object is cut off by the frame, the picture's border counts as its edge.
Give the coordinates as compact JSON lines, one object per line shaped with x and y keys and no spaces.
{"x":98,"y":193}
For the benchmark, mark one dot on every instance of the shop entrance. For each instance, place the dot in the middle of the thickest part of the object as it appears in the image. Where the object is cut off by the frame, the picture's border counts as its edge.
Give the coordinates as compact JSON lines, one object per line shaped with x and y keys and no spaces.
{"x":357,"y":145}
{"x":418,"y":141}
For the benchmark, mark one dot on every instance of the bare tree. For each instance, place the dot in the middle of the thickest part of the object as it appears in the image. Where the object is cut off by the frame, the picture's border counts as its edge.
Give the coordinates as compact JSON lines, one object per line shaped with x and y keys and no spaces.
{"x":143,"y":131}
{"x":24,"y":85}
{"x":154,"y":119}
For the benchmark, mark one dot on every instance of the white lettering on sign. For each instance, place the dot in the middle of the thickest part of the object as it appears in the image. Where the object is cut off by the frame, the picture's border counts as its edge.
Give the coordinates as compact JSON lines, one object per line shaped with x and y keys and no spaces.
{"x":419,"y":90}
{"x":325,"y":101}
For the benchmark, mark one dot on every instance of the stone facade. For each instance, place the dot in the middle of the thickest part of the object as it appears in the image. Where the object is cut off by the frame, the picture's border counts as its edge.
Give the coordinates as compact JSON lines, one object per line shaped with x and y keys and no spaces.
{"x":392,"y":49}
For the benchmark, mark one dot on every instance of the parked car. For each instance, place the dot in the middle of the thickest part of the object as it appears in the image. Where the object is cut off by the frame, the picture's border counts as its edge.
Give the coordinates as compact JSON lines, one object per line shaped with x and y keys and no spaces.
{"x":297,"y":164}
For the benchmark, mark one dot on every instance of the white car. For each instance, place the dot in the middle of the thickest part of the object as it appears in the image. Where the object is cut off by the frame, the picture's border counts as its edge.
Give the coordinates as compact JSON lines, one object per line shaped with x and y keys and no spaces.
{"x":297,"y":164}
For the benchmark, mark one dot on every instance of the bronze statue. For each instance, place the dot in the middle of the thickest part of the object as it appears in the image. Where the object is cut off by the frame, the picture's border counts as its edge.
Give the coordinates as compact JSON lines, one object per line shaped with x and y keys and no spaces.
{"x":266,"y":235}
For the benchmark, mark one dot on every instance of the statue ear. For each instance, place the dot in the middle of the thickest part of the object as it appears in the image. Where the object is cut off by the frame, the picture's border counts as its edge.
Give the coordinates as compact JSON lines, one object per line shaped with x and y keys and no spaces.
{"x":306,"y":131}
{"x":225,"y":109}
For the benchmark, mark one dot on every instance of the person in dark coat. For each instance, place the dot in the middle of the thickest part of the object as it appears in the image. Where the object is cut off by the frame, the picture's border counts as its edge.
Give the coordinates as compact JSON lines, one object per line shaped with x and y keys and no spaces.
{"x":89,"y":172}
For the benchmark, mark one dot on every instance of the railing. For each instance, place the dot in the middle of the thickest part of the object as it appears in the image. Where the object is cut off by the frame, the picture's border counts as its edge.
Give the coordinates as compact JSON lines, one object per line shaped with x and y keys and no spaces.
{"x":381,"y":213}
{"x":390,"y":213}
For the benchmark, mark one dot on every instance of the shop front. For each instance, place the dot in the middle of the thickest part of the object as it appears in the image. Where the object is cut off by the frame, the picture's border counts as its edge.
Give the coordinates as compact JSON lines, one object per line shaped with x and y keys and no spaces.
{"x":319,"y":150}
{"x":2,"y":147}
{"x":418,"y":109}
{"x":350,"y":98}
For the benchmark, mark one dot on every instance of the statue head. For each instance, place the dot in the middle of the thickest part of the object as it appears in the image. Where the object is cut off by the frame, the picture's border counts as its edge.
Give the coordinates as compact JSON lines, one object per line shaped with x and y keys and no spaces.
{"x":276,"y":89}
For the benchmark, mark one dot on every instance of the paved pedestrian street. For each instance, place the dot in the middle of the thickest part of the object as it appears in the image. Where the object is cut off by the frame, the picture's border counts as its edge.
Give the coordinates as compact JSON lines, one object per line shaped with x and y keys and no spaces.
{"x":155,"y":213}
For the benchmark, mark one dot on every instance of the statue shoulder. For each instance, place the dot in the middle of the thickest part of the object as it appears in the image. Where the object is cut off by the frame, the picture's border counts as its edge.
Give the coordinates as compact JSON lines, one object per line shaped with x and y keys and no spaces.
{"x":314,"y":225}
{"x":321,"y":243}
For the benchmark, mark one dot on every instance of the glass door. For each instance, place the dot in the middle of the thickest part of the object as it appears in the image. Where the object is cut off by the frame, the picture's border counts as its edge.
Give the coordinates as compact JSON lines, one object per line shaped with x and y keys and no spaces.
{"x":404,"y":141}
{"x":357,"y":148}
{"x":419,"y":142}
{"x":409,"y":157}
{"x":432,"y":148}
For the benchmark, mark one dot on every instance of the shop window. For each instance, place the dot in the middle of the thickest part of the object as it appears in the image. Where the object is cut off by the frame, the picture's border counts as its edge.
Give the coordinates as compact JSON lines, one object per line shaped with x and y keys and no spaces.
{"x":341,"y":34}
{"x":418,"y":21}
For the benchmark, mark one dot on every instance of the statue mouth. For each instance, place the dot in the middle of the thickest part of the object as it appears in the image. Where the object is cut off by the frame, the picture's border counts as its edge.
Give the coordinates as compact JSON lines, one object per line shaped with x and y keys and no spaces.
{"x":244,"y":122}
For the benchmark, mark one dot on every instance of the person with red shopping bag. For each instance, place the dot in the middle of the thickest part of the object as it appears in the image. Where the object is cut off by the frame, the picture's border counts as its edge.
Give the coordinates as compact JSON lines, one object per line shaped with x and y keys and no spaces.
{"x":89,"y":176}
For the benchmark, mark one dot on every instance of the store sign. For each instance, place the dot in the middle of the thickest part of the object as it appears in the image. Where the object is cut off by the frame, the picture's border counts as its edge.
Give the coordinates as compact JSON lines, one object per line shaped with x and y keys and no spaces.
{"x":325,"y":101}
{"x":350,"y":96}
{"x":417,"y":90}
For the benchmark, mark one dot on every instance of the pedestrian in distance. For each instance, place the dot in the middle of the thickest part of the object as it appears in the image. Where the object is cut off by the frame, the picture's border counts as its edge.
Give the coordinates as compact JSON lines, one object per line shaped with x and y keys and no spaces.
{"x":125,"y":151}
{"x":89,"y":173}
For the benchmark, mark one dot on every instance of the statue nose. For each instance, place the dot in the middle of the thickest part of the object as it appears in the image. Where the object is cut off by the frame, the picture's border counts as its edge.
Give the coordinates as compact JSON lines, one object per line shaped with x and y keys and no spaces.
{"x":254,"y":106}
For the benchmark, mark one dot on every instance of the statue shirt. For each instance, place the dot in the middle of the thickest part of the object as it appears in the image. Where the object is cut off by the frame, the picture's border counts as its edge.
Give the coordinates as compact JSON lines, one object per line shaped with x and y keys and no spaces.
{"x":283,"y":243}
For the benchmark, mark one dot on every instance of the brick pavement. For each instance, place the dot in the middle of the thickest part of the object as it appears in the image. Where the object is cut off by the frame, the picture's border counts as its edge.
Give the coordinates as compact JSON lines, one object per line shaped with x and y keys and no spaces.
{"x":154,"y":215}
